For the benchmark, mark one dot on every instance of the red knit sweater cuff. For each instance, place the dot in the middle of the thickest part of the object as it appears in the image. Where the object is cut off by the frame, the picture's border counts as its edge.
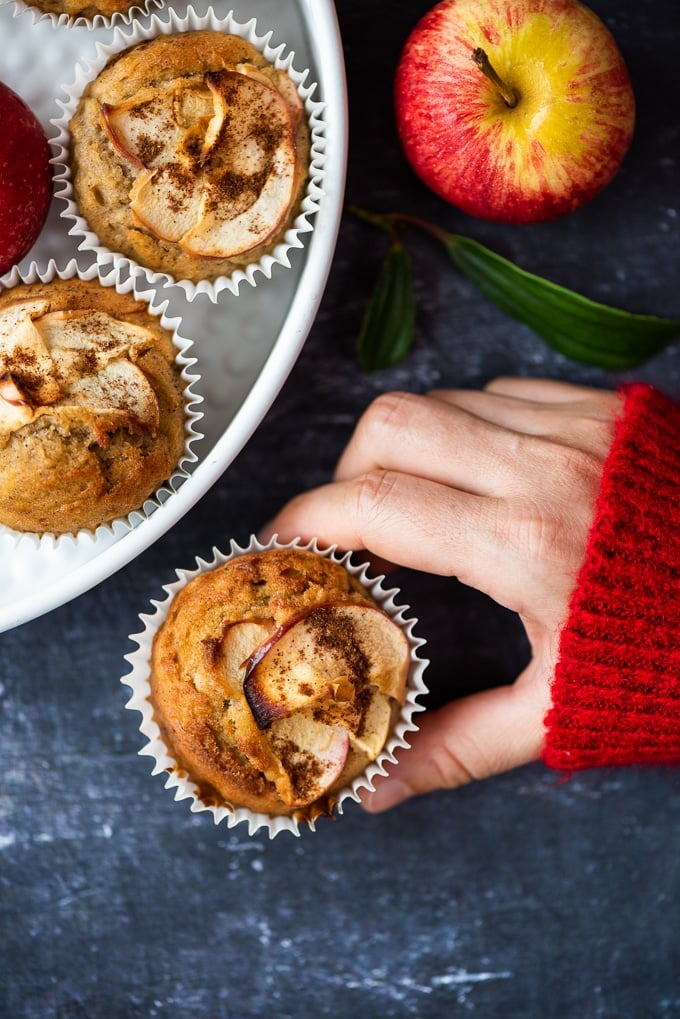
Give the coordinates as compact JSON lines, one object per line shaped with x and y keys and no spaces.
{"x":616,"y":690}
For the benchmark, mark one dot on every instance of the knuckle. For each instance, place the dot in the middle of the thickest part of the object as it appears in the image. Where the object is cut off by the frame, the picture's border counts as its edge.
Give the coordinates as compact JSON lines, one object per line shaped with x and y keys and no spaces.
{"x":568,"y":468}
{"x":549,"y":525}
{"x":452,"y":769}
{"x":580,"y":470}
{"x":600,"y":436}
{"x":446,"y":770}
{"x":536,"y":534}
{"x":388,"y":413}
{"x":372,"y":494}
{"x":466,"y":760}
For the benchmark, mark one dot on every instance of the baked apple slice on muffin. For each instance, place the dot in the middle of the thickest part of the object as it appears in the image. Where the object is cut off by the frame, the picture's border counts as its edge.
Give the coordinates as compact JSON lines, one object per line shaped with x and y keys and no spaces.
{"x":215,"y":159}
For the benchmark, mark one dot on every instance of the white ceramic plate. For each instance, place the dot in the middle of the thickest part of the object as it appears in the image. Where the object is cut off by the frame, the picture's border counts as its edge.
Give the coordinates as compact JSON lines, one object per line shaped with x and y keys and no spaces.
{"x":245,"y":345}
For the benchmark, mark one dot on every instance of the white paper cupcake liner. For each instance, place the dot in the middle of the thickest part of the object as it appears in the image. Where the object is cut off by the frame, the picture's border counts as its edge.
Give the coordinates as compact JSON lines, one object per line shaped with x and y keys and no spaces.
{"x":30,"y":544}
{"x":140,"y":9}
{"x":164,"y":764}
{"x":278,"y":56}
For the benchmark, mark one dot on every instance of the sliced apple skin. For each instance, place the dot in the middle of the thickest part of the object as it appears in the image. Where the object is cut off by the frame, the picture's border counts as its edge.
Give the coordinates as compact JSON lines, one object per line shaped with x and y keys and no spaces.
{"x":252,"y":171}
{"x":107,"y":115}
{"x":214,"y":158}
{"x":17,"y":313}
{"x":15,"y":406}
{"x":75,"y":357}
{"x":312,"y":754}
{"x":147,"y":130}
{"x":68,"y":333}
{"x":219,"y":233}
{"x":235,"y":646}
{"x":317,"y":654}
{"x":301,"y":757}
{"x":284,"y":86}
{"x":272,"y":688}
{"x":231,"y":654}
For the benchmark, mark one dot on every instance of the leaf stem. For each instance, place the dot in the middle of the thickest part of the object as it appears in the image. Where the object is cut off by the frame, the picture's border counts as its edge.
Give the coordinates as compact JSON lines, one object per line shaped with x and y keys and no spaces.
{"x":431,"y":228}
{"x":388,"y":220}
{"x":383,"y":220}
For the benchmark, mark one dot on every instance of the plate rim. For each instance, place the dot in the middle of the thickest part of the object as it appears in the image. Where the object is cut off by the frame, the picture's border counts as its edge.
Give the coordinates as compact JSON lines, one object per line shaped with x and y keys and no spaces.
{"x":322,"y":28}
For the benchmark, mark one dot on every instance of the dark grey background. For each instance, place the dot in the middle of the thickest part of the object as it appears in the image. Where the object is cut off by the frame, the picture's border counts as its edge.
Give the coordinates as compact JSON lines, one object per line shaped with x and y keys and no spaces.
{"x":523,"y":896}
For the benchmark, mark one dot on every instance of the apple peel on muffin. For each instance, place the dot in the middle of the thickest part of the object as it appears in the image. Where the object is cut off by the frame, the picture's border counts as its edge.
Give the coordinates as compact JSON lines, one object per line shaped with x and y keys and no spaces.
{"x":275,"y":680}
{"x":203,"y":148}
{"x":216,"y":158}
{"x":92,"y":406}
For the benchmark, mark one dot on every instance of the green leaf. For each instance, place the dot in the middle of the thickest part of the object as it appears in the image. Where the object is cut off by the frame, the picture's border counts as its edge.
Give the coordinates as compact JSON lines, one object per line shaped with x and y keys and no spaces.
{"x":570,"y":323}
{"x":388,"y":325}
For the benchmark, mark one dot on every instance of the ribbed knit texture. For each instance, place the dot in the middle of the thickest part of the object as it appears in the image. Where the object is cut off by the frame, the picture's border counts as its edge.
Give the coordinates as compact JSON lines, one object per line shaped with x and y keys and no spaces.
{"x":616,"y":691}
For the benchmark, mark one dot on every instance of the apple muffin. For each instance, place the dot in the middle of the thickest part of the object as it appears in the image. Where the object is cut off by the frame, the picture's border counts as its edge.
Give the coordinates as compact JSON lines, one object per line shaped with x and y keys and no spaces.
{"x":275,"y":679}
{"x":190,"y":154}
{"x":87,"y":9}
{"x":92,"y":408}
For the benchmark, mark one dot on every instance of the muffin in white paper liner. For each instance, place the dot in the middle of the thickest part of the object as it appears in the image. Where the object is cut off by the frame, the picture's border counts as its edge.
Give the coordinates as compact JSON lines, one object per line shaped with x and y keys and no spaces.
{"x":26,"y":544}
{"x":138,"y":679}
{"x":139,"y":9}
{"x":281,"y":59}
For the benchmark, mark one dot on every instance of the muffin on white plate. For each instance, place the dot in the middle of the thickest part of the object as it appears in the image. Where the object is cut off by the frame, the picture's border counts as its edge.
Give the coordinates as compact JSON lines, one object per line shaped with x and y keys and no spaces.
{"x":274,"y":683}
{"x":96,"y":410}
{"x":92,"y":13}
{"x":192,"y":152}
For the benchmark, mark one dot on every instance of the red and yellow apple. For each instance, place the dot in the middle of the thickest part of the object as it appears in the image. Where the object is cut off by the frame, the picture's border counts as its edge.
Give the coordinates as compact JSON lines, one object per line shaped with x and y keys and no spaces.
{"x":514,"y":110}
{"x":25,"y":178}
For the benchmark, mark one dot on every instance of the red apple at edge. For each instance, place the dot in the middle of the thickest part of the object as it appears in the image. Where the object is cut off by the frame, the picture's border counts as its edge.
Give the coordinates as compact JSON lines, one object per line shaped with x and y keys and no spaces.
{"x":513,"y":110}
{"x":25,"y":178}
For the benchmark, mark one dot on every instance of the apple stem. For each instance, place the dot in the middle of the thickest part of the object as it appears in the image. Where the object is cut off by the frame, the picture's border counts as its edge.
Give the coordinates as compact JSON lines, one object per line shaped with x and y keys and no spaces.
{"x":509,"y":94}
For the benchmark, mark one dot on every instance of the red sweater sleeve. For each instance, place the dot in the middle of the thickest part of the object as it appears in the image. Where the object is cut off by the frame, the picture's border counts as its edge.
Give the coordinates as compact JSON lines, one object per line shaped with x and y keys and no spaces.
{"x":616,"y":691}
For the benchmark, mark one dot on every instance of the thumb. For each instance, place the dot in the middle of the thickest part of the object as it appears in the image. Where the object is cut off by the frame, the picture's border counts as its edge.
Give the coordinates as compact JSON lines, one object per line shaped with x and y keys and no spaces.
{"x":471,"y":738}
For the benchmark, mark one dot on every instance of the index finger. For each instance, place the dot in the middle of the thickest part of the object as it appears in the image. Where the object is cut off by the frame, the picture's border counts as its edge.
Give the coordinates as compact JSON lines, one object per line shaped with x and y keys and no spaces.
{"x":415,"y":523}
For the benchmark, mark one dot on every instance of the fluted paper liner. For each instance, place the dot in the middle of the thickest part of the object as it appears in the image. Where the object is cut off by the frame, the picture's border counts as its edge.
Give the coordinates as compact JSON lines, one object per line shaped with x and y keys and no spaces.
{"x":63,"y":20}
{"x":164,"y":764}
{"x":29,"y":544}
{"x":276,"y":55}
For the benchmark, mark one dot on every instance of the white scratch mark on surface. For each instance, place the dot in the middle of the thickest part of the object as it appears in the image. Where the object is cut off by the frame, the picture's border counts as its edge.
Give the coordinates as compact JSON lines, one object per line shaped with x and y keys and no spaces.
{"x":460,"y":979}
{"x":462,"y":976}
{"x":234,"y":846}
{"x":7,"y":840}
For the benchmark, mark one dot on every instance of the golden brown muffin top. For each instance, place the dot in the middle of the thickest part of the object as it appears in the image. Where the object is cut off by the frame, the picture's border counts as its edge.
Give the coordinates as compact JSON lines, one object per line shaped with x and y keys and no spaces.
{"x":92,"y":408}
{"x":84,"y":8}
{"x":274,"y":678}
{"x":70,"y":345}
{"x":202,"y":146}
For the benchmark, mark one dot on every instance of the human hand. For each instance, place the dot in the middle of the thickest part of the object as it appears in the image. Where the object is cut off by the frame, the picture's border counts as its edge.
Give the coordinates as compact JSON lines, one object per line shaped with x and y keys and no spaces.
{"x":497,"y":488}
